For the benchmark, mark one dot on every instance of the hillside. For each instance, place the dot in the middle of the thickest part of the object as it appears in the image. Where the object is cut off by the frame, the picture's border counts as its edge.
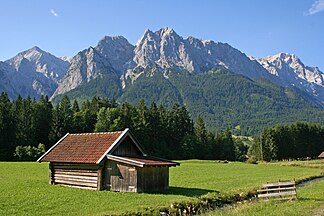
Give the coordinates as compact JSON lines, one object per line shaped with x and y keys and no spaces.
{"x":224,"y":99}
{"x":227,"y":100}
{"x":107,"y":86}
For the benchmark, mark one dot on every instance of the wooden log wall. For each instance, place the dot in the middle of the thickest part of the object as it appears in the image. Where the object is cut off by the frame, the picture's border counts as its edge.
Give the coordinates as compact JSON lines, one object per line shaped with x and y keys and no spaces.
{"x":86,"y":176}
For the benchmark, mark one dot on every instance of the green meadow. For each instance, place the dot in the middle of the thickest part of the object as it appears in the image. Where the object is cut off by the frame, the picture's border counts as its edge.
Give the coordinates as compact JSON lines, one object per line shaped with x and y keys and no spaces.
{"x":310,"y":202}
{"x":24,"y":188}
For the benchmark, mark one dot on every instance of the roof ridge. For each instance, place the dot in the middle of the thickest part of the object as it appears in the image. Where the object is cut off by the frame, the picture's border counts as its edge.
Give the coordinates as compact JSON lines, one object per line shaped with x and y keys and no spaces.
{"x":112,"y":132}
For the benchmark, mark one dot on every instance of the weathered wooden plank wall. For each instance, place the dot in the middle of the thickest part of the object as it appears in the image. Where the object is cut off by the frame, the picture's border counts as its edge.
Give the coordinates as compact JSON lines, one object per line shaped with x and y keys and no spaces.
{"x":127,"y":147}
{"x":120,"y":177}
{"x":152,"y":179}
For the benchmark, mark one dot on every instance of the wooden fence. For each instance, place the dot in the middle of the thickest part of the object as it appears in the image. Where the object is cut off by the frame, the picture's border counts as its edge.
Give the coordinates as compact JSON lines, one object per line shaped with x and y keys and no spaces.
{"x":278,"y":190}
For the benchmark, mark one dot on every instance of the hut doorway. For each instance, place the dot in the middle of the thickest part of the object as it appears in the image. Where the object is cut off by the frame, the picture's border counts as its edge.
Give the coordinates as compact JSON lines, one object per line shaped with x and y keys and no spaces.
{"x":120,"y":177}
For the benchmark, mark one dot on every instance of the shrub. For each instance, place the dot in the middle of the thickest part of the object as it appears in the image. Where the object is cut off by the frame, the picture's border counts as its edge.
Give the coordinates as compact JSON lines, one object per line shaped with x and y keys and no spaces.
{"x":29,"y":153}
{"x":252,"y":160}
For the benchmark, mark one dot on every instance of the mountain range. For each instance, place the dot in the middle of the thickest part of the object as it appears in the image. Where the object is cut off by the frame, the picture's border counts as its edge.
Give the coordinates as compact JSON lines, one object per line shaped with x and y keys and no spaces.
{"x":33,"y":72}
{"x":117,"y":69}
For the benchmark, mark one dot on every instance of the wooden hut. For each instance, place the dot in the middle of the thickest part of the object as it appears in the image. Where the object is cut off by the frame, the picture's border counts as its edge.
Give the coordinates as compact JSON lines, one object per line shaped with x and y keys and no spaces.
{"x":106,"y":161}
{"x":321,"y":156}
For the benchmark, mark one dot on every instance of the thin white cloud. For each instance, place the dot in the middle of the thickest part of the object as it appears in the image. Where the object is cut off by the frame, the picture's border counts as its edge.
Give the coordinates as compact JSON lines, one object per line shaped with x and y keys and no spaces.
{"x":54,"y":13}
{"x":317,"y":6}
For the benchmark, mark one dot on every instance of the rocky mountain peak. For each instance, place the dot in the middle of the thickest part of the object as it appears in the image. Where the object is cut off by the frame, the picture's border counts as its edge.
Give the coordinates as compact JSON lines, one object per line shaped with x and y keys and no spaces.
{"x":287,"y":58}
{"x":168,"y":50}
{"x":118,"y":51}
{"x":42,"y":62}
{"x":147,"y":34}
{"x":87,"y":65}
{"x":290,"y":71}
{"x":167,"y":32}
{"x":283,"y":63}
{"x":85,"y":62}
{"x":158,"y":36}
{"x":35,"y":72}
{"x":36,"y":49}
{"x":168,"y":35}
{"x":34,"y":54}
{"x":165,"y":48}
{"x":162,"y":51}
{"x":113,"y":40}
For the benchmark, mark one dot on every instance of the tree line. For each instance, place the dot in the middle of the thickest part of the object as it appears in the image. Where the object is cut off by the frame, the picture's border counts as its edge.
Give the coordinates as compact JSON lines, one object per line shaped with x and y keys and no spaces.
{"x":299,"y":140}
{"x":28,"y":127}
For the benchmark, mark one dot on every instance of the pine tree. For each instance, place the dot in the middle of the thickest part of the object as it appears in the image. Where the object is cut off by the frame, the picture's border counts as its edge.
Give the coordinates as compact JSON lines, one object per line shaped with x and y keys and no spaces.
{"x":62,"y":120}
{"x":65,"y":109}
{"x":7,"y":129}
{"x":42,"y":117}
{"x":103,"y":123}
{"x":202,"y":147}
{"x":25,"y":125}
{"x":75,"y":107}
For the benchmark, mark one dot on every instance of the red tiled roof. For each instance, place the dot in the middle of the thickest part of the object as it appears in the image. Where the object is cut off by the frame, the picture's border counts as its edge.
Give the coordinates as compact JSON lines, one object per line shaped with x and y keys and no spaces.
{"x":321,"y":155}
{"x":143,"y":161}
{"x":81,"y":148}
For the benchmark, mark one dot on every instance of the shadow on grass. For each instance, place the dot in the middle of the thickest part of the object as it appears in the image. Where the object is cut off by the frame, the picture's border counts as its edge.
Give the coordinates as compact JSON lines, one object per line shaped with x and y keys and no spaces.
{"x":310,"y":199}
{"x":189,"y":192}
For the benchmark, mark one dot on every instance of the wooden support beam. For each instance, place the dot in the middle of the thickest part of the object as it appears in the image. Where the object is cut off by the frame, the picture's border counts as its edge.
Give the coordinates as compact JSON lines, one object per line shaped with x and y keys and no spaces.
{"x":51,"y":174}
{"x":99,"y":179}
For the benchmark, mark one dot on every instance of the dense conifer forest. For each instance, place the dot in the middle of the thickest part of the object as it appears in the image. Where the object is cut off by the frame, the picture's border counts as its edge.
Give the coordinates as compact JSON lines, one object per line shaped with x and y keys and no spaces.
{"x":29,"y":127}
{"x":224,"y":100}
{"x":295,"y":141}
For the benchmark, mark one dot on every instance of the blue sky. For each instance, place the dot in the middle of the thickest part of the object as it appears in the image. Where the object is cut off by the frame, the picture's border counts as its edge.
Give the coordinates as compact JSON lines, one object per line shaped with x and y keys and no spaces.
{"x":256,"y":27}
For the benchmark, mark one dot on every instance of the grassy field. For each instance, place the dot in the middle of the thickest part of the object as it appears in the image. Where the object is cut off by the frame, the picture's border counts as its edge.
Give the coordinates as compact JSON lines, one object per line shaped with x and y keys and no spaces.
{"x":306,"y":163}
{"x":310,"y":202}
{"x":24,"y":188}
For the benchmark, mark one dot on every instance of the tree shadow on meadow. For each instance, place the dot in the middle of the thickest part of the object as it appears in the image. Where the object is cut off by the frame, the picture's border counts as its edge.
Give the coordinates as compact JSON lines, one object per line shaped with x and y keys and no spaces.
{"x":189,"y":192}
{"x":310,"y":199}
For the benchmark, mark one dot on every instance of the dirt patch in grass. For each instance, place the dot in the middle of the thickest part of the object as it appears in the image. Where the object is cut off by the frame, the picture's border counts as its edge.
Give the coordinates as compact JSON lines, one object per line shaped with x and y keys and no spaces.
{"x":319,"y":211}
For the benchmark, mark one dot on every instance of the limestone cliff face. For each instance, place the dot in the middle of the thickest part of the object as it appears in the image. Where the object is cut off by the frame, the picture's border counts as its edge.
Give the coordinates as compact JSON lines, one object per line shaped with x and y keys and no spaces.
{"x":42,"y":62}
{"x":290,"y":71}
{"x":37,"y":72}
{"x":34,"y":72}
{"x":5,"y":81}
{"x":169,"y":50}
{"x":289,"y":65}
{"x":85,"y":66}
{"x":118,"y":51}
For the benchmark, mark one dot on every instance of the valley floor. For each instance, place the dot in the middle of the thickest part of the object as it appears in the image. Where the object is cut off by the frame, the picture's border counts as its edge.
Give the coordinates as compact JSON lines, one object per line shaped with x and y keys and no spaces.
{"x":24,"y":189}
